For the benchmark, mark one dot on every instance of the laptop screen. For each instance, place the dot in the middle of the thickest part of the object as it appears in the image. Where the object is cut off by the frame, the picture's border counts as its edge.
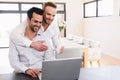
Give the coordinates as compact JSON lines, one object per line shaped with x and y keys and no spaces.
{"x":61,"y":69}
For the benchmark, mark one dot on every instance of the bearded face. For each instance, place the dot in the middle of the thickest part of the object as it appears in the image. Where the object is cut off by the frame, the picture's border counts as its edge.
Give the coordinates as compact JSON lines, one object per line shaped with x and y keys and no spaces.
{"x":49,"y":15}
{"x":35,"y":22}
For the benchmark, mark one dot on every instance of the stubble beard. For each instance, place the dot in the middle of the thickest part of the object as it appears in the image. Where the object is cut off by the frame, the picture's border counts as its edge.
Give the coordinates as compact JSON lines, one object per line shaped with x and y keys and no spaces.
{"x":32,"y":29}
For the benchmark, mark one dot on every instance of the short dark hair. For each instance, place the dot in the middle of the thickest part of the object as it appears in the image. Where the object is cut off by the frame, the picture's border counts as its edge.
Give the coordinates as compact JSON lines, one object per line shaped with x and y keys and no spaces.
{"x":34,"y":10}
{"x":51,"y":4}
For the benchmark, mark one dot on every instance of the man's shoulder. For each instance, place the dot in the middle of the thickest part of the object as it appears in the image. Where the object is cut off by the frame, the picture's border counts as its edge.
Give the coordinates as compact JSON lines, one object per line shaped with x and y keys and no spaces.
{"x":20,"y":26}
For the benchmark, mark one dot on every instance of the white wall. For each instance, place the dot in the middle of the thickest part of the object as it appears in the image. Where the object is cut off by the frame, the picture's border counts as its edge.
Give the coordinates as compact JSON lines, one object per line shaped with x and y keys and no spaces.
{"x":74,"y":17}
{"x":106,"y":30}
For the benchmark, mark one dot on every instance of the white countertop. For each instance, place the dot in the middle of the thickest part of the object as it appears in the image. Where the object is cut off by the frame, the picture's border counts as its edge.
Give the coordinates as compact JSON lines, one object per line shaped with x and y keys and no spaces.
{"x":101,"y":73}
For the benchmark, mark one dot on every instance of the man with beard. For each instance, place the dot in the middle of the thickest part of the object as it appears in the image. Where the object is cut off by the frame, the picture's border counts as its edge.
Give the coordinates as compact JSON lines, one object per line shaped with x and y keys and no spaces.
{"x":50,"y":30}
{"x":25,"y":59}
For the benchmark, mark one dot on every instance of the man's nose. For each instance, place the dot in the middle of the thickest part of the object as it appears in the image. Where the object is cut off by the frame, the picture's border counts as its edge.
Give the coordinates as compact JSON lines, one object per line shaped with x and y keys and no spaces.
{"x":38,"y":24}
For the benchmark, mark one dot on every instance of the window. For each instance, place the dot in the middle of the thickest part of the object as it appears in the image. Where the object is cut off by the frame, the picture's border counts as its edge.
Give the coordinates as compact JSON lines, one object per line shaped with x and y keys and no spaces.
{"x":15,"y":13}
{"x":105,"y":8}
{"x":26,"y":6}
{"x":90,"y":9}
{"x":98,"y":8}
{"x":9,"y":6}
{"x":119,"y":12}
{"x":61,"y":15}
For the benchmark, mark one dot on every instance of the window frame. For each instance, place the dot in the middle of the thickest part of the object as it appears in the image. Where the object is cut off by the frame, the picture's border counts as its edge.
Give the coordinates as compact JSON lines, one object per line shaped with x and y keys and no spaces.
{"x":97,"y":9}
{"x":63,"y":12}
{"x":84,"y":6}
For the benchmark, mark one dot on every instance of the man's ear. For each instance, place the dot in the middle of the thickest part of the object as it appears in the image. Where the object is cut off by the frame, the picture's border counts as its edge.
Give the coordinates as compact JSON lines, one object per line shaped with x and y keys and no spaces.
{"x":28,"y":20}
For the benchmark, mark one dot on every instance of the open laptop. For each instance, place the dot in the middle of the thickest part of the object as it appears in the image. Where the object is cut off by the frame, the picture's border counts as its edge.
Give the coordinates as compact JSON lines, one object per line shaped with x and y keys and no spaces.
{"x":62,"y":69}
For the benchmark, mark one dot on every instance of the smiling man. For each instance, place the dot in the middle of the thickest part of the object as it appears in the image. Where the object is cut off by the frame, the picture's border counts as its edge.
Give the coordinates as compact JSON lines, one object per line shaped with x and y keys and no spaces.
{"x":50,"y":30}
{"x":25,"y":59}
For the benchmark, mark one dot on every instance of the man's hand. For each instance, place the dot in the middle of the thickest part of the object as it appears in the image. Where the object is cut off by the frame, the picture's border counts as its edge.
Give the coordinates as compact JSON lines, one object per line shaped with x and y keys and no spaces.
{"x":33,"y":72}
{"x":39,"y":45}
{"x":61,"y":50}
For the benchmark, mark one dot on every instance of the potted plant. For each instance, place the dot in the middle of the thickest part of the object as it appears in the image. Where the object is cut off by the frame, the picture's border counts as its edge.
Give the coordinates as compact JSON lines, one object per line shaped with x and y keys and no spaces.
{"x":62,"y":25}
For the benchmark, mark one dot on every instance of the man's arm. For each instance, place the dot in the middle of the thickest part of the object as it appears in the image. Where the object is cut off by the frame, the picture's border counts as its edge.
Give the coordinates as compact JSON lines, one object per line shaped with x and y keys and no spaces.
{"x":17,"y":65}
{"x":17,"y":36}
{"x":21,"y":40}
{"x":56,"y":39}
{"x":57,"y":44}
{"x":39,"y":45}
{"x":14,"y":58}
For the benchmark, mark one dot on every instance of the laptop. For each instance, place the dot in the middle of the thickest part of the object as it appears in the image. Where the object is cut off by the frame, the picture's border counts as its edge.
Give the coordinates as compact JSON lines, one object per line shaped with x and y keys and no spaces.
{"x":61,"y":69}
